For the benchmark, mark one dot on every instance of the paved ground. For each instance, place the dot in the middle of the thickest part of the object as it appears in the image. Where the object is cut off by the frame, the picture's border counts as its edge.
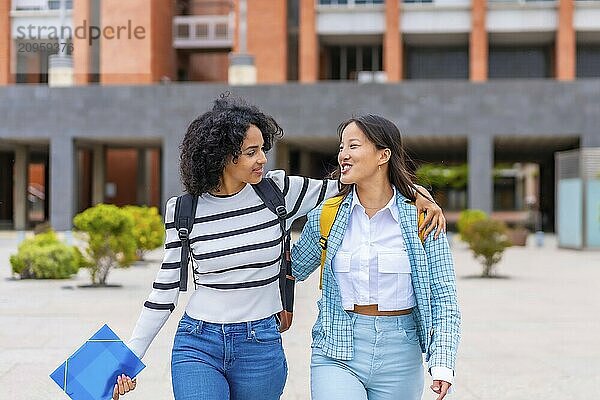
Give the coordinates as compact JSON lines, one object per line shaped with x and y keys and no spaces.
{"x":532,"y":334}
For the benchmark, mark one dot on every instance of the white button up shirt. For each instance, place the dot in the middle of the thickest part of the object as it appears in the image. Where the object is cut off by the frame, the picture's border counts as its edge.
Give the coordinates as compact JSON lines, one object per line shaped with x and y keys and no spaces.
{"x":372,"y":265}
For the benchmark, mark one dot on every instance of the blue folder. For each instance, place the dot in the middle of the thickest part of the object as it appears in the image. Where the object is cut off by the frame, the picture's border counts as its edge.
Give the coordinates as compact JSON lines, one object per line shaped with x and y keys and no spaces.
{"x":91,"y":372}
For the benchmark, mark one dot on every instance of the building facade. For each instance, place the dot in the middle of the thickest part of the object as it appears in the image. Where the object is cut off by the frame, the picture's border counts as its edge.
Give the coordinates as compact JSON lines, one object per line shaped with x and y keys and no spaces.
{"x":484,"y":82}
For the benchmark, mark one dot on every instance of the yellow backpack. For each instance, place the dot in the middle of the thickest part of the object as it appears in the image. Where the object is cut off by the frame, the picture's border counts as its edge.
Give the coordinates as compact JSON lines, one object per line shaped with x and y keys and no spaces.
{"x":328,"y":214}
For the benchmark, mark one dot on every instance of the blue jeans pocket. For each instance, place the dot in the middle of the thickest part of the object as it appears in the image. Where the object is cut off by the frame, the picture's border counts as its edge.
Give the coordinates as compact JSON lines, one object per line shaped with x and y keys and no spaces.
{"x":410,"y":334}
{"x":186,"y":326}
{"x":266,"y":335}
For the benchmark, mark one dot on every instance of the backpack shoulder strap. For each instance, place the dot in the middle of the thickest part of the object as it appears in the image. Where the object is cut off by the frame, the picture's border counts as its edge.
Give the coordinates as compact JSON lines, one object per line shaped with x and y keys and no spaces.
{"x":422,"y":233}
{"x":185,"y":213}
{"x":273,"y":197}
{"x":420,"y":219}
{"x":328,"y":214}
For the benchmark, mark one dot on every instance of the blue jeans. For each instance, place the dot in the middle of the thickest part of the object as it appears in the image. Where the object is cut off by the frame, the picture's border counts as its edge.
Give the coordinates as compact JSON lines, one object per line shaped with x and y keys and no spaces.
{"x":240,"y":361}
{"x":387,"y":363}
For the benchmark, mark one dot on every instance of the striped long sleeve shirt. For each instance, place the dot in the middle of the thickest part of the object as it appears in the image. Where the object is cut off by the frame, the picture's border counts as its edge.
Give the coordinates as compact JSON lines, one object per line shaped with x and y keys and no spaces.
{"x":236,"y":249}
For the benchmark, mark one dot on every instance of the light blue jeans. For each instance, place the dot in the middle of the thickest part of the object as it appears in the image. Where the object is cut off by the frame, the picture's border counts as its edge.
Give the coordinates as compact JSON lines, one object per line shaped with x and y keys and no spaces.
{"x":387,"y":363}
{"x":241,"y":361}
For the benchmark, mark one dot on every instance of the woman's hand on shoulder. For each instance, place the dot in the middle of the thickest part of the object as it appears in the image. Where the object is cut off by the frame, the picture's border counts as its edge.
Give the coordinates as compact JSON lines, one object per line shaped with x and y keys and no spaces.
{"x":124,"y":385}
{"x":434,"y":216}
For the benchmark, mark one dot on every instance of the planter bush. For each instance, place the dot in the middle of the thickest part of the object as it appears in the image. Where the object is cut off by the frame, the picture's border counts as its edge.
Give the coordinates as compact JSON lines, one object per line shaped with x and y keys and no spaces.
{"x":518,"y":235}
{"x":148,"y":230}
{"x":487,"y":240}
{"x":45,"y":257}
{"x":466,"y":218}
{"x":109,"y":231}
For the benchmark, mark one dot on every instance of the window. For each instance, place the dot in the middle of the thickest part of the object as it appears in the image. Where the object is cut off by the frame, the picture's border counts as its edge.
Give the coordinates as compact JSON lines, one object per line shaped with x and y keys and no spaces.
{"x":520,"y":62}
{"x":345,"y":62}
{"x":437,"y":63}
{"x":588,"y":61}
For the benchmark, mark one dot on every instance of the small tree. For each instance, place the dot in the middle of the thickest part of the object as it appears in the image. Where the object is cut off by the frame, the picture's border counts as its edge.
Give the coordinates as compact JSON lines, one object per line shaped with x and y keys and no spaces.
{"x":465,"y":219}
{"x":148,"y":229}
{"x":487,"y":240}
{"x":45,"y":257}
{"x":110,"y":238}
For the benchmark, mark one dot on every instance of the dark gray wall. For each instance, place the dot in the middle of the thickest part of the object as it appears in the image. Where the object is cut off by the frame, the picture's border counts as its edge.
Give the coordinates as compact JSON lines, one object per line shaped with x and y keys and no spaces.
{"x":439,"y":108}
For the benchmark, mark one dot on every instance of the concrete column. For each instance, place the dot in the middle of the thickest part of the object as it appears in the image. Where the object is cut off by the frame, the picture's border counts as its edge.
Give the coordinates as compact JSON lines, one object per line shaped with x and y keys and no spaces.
{"x":565,"y":42}
{"x":143,"y":177}
{"x":481,"y":162}
{"x":392,"y":42}
{"x":62,"y":182}
{"x":478,"y":42}
{"x":283,"y":156}
{"x":305,"y":161}
{"x":308,"y":44}
{"x":6,"y":77}
{"x":170,"y":169}
{"x":272,"y":157}
{"x":21,"y":180}
{"x":98,"y":173}
{"x":81,"y":48}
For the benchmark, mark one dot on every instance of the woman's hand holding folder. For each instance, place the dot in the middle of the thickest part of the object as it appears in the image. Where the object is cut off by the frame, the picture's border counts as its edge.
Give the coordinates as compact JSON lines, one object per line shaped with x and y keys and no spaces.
{"x":124,"y":384}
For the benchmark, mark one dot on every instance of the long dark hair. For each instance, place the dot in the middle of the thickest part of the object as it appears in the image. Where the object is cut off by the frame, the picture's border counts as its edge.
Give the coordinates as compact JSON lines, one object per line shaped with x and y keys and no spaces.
{"x":384,"y":134}
{"x":215,"y":137}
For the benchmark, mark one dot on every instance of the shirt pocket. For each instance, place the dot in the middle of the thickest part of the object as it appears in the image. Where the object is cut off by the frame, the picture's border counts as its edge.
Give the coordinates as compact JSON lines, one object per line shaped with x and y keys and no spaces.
{"x":341,"y":266}
{"x":394,"y":280}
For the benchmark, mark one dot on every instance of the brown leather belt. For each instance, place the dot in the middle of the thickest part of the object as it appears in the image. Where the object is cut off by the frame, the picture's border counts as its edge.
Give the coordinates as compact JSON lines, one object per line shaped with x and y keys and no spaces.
{"x":372,"y":310}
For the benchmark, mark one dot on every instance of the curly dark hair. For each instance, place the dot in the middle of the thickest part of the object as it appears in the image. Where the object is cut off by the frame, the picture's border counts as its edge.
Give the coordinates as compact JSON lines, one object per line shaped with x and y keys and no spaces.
{"x":216,"y":137}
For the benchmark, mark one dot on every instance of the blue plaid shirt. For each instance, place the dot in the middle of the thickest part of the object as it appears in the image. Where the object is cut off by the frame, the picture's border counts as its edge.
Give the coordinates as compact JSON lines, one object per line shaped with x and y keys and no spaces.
{"x":432,"y":271}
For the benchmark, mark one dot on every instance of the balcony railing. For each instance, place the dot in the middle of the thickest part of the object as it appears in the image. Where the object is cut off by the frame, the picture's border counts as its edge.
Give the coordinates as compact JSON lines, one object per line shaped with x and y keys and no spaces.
{"x":350,"y":3}
{"x":39,"y":5}
{"x":203,"y":31}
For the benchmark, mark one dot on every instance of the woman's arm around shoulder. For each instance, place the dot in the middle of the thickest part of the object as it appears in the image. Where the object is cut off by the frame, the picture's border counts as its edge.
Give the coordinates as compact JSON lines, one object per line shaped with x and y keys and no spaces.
{"x":302,"y":194}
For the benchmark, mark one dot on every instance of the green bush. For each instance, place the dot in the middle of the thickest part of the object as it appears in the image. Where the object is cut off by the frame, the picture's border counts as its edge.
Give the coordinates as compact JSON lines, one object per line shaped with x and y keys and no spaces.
{"x":487,"y":240}
{"x":148,"y":230}
{"x":466,"y":218}
{"x":46,"y":257}
{"x":439,"y":176}
{"x":110,"y":239}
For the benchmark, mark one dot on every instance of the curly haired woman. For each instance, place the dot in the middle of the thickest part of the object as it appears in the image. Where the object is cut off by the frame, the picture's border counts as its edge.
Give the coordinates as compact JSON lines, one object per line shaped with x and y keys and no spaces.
{"x":227,"y":344}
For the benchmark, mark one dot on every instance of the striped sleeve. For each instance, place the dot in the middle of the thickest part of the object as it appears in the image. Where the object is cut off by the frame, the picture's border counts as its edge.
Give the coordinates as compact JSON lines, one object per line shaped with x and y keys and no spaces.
{"x":165,"y":289}
{"x":302,"y":194}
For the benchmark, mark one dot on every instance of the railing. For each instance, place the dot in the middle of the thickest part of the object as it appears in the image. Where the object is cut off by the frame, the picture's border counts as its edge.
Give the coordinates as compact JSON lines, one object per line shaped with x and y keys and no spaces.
{"x":451,"y":2}
{"x":349,"y":3}
{"x":520,"y":1}
{"x":39,"y":5}
{"x":203,"y":31}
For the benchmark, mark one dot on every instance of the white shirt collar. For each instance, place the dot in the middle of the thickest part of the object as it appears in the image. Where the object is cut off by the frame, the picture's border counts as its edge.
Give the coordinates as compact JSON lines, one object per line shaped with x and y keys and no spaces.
{"x":391,"y":205}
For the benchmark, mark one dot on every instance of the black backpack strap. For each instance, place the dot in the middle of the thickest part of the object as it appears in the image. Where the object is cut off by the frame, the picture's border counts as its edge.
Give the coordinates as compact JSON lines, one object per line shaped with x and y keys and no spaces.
{"x":185,"y":212}
{"x":273,"y":198}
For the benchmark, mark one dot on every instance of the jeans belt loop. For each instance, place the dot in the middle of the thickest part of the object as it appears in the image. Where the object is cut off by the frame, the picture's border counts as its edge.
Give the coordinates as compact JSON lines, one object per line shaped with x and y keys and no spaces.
{"x":199,"y":327}
{"x":249,"y":330}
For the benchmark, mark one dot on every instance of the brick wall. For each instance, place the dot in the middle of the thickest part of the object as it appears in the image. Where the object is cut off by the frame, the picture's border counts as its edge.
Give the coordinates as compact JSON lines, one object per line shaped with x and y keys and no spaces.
{"x":267,"y":39}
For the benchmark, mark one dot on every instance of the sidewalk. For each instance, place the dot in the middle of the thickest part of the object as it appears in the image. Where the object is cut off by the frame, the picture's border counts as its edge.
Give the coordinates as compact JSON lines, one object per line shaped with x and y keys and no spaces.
{"x":531,"y":334}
